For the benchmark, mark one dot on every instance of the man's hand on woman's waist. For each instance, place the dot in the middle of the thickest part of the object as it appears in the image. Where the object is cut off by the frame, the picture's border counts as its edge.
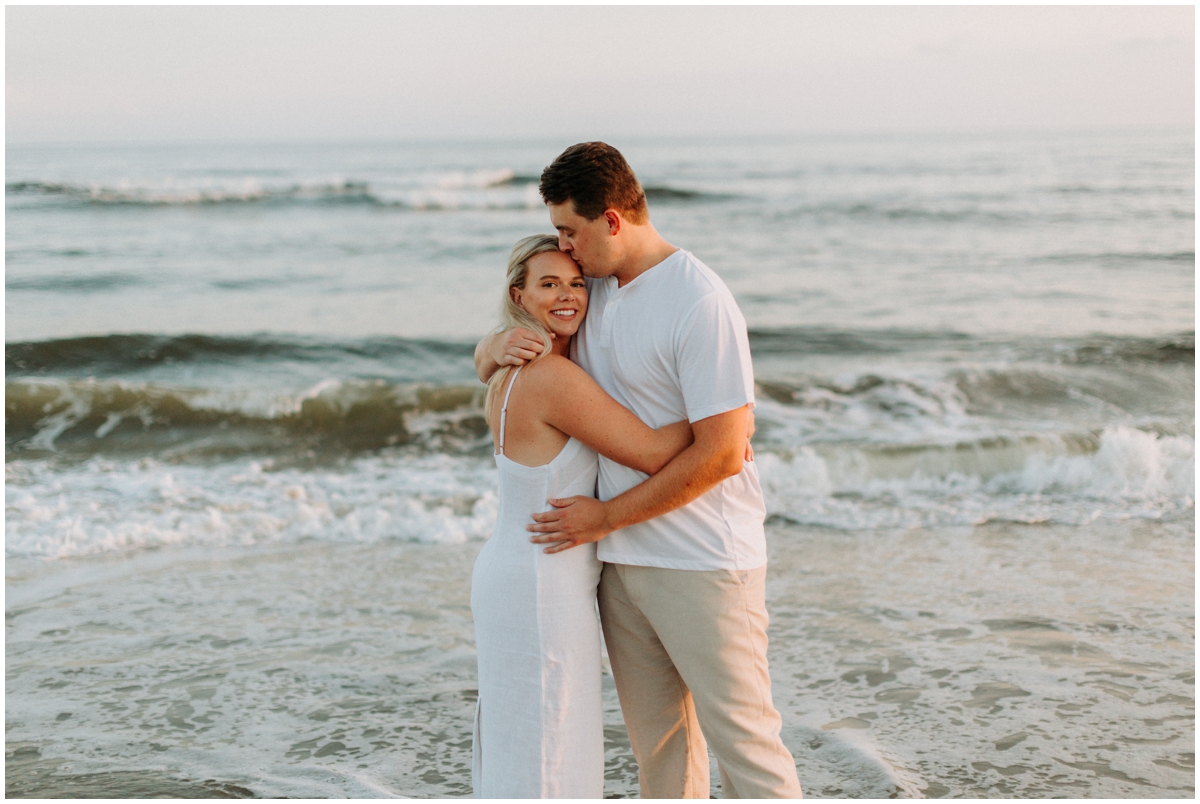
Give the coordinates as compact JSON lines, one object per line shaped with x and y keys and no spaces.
{"x":716,"y":454}
{"x":571,"y":522}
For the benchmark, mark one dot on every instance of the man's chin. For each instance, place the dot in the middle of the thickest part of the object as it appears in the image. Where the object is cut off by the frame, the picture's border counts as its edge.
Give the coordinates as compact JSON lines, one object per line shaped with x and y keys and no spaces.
{"x":593,"y":273}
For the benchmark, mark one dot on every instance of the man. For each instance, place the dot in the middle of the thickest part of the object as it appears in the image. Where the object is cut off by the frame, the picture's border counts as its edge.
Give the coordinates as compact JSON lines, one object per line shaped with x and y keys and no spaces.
{"x":681,"y":595}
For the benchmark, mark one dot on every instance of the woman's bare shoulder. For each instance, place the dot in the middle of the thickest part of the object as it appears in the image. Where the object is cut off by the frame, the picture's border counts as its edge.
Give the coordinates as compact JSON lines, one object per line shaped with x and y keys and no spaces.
{"x":553,"y":382}
{"x":552,"y":368}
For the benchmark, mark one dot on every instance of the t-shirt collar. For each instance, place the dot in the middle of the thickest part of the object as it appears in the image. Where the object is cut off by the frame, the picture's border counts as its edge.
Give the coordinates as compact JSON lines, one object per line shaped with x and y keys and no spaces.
{"x":616,"y":288}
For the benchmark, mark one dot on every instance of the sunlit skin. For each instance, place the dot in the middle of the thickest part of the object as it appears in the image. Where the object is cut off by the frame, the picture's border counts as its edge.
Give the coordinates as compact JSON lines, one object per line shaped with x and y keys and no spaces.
{"x":612,"y":246}
{"x":554,"y":399}
{"x":554,"y":294}
{"x":606,"y":246}
{"x":591,"y":244}
{"x":609,"y":245}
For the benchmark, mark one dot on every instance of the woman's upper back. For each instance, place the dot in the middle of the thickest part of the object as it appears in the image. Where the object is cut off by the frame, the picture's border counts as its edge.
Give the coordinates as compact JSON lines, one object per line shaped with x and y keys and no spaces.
{"x":521,"y":407}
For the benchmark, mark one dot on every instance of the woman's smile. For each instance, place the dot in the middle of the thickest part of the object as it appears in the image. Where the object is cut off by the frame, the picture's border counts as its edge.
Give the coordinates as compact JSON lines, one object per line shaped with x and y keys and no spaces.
{"x":555,"y":293}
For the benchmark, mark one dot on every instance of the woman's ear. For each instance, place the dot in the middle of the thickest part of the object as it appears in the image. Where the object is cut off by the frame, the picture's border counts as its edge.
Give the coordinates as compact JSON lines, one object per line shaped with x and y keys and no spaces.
{"x":515,"y":293}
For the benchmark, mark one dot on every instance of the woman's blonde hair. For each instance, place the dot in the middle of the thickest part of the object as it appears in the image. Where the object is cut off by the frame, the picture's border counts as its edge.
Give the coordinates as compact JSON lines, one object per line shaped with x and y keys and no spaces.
{"x":511,"y":315}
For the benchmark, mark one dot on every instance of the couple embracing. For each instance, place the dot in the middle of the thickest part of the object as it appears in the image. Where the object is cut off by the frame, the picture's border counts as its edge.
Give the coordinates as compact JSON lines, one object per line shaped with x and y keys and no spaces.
{"x":619,"y":399}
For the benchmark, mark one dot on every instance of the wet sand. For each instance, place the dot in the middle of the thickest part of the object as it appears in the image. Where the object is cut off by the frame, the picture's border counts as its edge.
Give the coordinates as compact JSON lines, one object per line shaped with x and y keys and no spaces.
{"x":998,"y":661}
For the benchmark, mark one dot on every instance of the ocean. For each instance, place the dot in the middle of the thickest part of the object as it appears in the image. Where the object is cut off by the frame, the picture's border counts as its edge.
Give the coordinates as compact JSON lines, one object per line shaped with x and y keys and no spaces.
{"x":247,"y":472}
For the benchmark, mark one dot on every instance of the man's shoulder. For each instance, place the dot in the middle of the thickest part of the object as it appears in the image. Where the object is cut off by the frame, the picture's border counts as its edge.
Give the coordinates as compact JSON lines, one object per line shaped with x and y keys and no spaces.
{"x":687,"y":280}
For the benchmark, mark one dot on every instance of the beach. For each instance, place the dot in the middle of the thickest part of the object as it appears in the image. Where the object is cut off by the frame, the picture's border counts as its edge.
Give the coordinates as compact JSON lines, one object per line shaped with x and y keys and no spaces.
{"x":348,"y":670}
{"x":247,"y":472}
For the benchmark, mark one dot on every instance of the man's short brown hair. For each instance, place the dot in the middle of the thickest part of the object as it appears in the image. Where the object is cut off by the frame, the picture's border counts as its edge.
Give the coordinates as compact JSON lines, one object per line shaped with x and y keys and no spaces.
{"x":596,"y":177}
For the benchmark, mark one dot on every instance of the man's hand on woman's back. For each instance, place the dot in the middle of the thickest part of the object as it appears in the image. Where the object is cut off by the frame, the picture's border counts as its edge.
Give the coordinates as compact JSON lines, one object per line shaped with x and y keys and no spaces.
{"x":514,"y":347}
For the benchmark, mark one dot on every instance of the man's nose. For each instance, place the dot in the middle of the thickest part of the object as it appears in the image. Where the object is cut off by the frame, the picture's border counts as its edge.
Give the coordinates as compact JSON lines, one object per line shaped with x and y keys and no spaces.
{"x":564,"y":244}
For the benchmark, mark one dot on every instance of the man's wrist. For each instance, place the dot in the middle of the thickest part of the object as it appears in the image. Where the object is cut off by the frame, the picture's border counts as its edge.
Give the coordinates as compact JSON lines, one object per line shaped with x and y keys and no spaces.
{"x":491,"y":363}
{"x":612,"y":519}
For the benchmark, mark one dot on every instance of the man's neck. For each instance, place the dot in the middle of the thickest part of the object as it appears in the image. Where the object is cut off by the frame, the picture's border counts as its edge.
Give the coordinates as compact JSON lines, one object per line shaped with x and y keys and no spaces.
{"x":647,"y":250}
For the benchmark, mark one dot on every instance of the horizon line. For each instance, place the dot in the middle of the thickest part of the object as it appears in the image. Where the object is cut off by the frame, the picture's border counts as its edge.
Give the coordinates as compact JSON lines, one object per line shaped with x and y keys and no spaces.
{"x":643,"y":137}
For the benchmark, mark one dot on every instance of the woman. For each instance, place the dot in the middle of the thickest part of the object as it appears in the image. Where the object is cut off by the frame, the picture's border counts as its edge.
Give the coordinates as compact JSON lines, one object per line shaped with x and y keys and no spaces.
{"x":538,"y":723}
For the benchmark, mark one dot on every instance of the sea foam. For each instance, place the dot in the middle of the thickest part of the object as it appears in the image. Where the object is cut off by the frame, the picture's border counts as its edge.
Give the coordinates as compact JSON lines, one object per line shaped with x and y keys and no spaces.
{"x":1130,"y":474}
{"x":110,"y":506}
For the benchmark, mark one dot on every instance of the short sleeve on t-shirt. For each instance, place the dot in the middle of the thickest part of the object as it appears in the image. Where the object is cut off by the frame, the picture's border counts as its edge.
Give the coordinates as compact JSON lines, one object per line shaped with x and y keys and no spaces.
{"x":715,"y":371}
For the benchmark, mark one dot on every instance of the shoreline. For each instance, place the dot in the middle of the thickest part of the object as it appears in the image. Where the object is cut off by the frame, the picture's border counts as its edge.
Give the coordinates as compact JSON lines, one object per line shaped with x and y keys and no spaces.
{"x":1001,"y":660}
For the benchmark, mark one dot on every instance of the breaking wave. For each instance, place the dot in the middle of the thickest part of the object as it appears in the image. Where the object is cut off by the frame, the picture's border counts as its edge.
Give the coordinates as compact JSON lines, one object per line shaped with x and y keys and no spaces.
{"x":332,"y":419}
{"x":435,"y":499}
{"x":1118,"y":473}
{"x":216,"y":440}
{"x":1097,"y":349}
{"x":468,"y":190}
{"x":109,"y":355}
{"x":118,"y":354}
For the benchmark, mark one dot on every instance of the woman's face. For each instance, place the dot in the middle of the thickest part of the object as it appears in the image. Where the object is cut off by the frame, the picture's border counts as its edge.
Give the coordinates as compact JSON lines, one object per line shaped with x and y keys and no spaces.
{"x":554,"y":293}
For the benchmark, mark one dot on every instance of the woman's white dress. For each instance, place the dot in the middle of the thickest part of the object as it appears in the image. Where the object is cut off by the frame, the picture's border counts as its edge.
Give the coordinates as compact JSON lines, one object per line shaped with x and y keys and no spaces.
{"x":538,"y":721}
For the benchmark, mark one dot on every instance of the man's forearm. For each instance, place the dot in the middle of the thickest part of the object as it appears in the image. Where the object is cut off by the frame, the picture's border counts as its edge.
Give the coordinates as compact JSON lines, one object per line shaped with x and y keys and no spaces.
{"x":716,"y":454}
{"x":485,"y":364}
{"x":693,"y":472}
{"x":515,"y":347}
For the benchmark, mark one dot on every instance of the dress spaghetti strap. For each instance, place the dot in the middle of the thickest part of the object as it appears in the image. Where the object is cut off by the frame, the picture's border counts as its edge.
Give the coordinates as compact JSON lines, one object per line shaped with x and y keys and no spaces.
{"x":504,"y":408}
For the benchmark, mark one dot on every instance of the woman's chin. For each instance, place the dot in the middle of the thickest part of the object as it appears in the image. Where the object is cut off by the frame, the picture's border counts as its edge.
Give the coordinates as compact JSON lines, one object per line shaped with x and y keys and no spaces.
{"x":564,"y":329}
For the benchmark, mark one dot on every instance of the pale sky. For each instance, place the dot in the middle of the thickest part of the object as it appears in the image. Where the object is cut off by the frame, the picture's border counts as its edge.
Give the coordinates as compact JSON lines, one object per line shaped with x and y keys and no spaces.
{"x":144,"y":73}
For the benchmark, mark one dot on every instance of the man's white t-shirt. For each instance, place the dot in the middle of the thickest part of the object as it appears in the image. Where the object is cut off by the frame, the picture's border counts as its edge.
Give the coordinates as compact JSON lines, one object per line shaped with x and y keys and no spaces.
{"x":672,"y":345}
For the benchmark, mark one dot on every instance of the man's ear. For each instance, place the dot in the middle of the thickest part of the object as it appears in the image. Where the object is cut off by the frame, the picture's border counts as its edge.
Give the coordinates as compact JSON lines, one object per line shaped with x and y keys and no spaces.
{"x":515,"y":293}
{"x":613,"y":218}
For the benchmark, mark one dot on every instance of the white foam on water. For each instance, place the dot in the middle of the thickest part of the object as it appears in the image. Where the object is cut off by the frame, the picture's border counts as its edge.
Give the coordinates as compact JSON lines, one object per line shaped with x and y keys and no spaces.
{"x":1027,"y":661}
{"x":474,"y":179}
{"x":900,"y":407}
{"x":106,"y":505}
{"x":483,"y":188}
{"x":1131,"y":465}
{"x":1004,"y":660}
{"x":191,"y":190}
{"x":460,"y":198}
{"x":1133,"y":473}
{"x":310,"y":671}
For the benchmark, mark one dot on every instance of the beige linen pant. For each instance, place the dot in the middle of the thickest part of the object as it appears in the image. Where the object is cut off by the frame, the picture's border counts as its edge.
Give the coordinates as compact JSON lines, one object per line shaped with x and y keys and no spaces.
{"x":689,"y":655}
